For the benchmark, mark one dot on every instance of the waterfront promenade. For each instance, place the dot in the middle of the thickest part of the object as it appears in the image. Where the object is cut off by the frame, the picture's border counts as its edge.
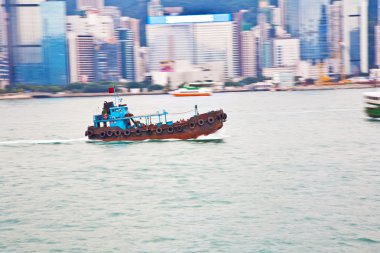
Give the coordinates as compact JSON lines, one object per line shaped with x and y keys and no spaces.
{"x":31,"y":95}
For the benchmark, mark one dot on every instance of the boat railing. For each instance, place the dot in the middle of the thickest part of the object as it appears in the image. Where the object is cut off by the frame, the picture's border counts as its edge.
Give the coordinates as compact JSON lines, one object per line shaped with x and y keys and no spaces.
{"x":100,"y":118}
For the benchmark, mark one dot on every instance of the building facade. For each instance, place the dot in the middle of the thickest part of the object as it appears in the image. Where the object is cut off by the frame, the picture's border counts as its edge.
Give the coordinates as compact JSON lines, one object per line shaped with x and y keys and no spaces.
{"x":106,"y":63}
{"x":312,"y":29}
{"x":291,"y":16}
{"x":133,"y":24}
{"x":335,"y":36}
{"x":82,"y":58}
{"x":377,"y":46}
{"x":155,"y":8}
{"x":355,"y":36}
{"x":94,"y":24}
{"x":198,"y":39}
{"x":90,"y":4}
{"x":4,"y":65}
{"x":377,"y":37}
{"x":249,"y":53}
{"x":38,"y":42}
{"x":126,"y":54}
{"x":286,"y":52}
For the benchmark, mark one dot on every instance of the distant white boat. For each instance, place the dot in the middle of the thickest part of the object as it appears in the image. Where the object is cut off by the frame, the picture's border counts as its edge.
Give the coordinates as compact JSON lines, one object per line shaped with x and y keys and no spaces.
{"x":194,"y":89}
{"x":262,"y":86}
{"x":191,"y":91}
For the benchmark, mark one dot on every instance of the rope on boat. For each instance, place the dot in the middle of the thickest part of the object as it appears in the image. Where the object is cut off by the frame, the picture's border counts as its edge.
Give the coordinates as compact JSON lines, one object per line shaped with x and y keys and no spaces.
{"x":177,"y":113}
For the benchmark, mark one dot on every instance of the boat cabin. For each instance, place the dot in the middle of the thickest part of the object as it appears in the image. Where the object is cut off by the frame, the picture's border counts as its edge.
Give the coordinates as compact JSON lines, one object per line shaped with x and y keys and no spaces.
{"x":119,"y":116}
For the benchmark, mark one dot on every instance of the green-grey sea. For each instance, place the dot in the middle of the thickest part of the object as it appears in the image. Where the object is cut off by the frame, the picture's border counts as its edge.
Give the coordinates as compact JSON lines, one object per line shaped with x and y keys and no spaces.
{"x":289,"y":172}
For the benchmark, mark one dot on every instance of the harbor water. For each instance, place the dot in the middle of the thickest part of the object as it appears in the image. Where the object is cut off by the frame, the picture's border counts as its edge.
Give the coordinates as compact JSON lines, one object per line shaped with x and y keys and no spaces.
{"x":289,"y":172}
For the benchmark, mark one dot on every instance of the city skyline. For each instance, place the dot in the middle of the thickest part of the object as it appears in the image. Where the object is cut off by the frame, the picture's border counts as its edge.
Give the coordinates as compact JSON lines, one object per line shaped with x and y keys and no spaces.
{"x":42,"y":46}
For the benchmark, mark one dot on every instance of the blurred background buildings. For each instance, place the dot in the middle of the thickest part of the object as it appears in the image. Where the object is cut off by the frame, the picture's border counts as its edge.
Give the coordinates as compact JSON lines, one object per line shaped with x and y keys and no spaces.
{"x":58,"y":43}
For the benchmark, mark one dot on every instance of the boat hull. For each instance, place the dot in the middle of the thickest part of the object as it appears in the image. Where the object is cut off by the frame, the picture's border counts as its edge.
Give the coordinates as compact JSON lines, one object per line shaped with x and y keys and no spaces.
{"x":200,"y":94}
{"x":200,"y":125}
{"x":373,"y":112}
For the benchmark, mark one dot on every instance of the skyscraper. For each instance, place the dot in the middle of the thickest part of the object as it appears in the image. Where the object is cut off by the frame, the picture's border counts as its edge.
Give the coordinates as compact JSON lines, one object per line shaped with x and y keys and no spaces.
{"x":106,"y":63}
{"x":82,"y":58}
{"x":335,"y":35}
{"x":38,"y":42}
{"x":308,"y":21}
{"x":126,"y":54}
{"x":54,"y":47}
{"x":373,"y":6}
{"x":309,"y":29}
{"x":134,"y":25}
{"x":4,"y":67}
{"x":155,"y":8}
{"x":377,"y":37}
{"x":90,"y":4}
{"x":291,"y":16}
{"x":323,"y":35}
{"x":355,"y":36}
{"x":377,"y":46}
{"x":286,"y":52}
{"x":249,"y":53}
{"x":197,"y":39}
{"x":114,"y":13}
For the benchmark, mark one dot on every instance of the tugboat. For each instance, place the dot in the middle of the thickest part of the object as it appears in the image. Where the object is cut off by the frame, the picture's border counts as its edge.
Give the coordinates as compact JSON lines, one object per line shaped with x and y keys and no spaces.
{"x":117,"y":123}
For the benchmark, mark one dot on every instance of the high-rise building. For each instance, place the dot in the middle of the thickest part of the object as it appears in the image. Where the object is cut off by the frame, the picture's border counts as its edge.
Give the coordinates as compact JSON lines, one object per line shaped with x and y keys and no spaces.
{"x":291,"y":16}
{"x":323,"y":35}
{"x":4,"y":67}
{"x":286,"y":52}
{"x":373,"y":8}
{"x":307,"y":20}
{"x":377,"y":37}
{"x":90,"y":4}
{"x":38,"y":42}
{"x":94,"y":24}
{"x":155,"y":8}
{"x":377,"y":46}
{"x":238,"y":19}
{"x":249,"y":53}
{"x":126,"y":54}
{"x":82,"y":58}
{"x":113,"y":12}
{"x":134,"y":25}
{"x":282,"y":7}
{"x":54,"y":45}
{"x":265,"y":29}
{"x":355,"y":36}
{"x":106,"y":63}
{"x":335,"y":35}
{"x":198,"y":39}
{"x":312,"y":19}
